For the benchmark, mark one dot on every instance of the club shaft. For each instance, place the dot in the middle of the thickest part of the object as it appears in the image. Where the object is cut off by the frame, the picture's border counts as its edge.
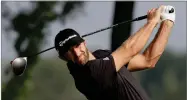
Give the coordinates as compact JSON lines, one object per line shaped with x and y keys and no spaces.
{"x":124,"y":22}
{"x":41,"y":52}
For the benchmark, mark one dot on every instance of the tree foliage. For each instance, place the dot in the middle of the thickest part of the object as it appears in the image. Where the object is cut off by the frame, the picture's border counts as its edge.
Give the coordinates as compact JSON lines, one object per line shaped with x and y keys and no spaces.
{"x":121,"y":33}
{"x":29,"y":29}
{"x":48,"y":80}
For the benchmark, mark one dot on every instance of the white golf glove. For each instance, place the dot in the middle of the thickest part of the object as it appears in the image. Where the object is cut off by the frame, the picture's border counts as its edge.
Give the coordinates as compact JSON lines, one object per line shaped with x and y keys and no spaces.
{"x":168,"y":13}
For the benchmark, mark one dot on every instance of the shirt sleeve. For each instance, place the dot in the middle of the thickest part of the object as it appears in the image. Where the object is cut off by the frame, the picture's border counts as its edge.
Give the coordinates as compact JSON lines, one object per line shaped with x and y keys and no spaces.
{"x":103,"y":70}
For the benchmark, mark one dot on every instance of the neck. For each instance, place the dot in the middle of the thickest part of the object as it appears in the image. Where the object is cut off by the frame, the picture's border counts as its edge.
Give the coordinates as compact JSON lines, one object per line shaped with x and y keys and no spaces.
{"x":91,"y":56}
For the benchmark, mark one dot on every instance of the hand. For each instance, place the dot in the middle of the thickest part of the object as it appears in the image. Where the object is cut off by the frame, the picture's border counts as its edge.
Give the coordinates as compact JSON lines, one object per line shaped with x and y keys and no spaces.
{"x":154,"y":14}
{"x":168,"y":13}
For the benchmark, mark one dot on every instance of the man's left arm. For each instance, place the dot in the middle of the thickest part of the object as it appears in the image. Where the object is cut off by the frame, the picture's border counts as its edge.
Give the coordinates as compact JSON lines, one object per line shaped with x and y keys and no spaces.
{"x":153,"y":52}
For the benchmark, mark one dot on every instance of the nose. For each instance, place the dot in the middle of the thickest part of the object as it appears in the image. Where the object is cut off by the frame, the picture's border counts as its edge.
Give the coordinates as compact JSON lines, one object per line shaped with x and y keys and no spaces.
{"x":76,"y":51}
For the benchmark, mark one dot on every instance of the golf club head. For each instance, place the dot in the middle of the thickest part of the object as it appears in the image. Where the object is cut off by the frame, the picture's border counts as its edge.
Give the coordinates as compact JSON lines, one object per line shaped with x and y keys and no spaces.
{"x":19,"y":65}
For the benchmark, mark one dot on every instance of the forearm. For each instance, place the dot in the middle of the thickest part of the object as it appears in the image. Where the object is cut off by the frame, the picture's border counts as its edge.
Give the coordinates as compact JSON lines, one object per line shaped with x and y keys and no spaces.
{"x":157,"y":46}
{"x":137,"y":41}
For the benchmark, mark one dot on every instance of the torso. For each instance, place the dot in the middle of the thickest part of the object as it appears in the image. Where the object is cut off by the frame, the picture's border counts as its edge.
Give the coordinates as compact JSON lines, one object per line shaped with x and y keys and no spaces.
{"x":123,"y":87}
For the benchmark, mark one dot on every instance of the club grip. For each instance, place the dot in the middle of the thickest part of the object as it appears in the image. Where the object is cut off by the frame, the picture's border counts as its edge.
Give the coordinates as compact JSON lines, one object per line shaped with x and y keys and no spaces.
{"x":141,"y":17}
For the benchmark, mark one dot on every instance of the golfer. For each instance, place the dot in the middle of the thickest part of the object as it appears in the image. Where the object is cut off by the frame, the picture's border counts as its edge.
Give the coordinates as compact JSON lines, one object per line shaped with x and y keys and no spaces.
{"x":105,"y":75}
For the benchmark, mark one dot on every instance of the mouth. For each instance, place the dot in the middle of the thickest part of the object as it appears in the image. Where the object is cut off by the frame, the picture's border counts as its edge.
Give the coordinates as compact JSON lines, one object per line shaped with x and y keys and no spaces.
{"x":80,"y":58}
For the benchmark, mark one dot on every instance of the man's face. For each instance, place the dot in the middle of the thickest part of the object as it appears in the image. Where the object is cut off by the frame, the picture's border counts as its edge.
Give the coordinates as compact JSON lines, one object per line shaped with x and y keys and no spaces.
{"x":78,"y":54}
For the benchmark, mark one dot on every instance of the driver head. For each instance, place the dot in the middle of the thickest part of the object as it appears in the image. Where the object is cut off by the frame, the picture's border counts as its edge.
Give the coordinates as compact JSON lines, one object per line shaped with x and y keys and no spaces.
{"x":19,"y":65}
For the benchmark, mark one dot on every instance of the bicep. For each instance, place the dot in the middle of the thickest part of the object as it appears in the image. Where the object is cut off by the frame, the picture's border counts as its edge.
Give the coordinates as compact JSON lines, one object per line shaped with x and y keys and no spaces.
{"x":122,"y":56}
{"x":139,"y":62}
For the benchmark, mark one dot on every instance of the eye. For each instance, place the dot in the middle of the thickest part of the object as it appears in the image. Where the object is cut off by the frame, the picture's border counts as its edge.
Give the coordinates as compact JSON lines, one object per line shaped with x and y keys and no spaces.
{"x":77,"y":45}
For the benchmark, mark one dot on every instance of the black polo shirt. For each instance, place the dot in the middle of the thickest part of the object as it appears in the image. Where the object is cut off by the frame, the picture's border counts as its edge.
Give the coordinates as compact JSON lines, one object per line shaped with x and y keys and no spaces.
{"x":98,"y":79}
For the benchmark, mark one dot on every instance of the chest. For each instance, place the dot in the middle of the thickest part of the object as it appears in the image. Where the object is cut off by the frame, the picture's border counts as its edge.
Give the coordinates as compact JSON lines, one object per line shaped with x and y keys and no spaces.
{"x":128,"y":86}
{"x":85,"y":83}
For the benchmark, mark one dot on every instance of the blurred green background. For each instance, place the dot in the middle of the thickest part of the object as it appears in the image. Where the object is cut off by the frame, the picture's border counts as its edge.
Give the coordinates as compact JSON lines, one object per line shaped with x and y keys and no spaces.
{"x":29,"y":27}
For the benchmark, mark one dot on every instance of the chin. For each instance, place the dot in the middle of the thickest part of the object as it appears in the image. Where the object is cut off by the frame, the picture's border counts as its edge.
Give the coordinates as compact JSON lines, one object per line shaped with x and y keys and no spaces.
{"x":82,"y":63}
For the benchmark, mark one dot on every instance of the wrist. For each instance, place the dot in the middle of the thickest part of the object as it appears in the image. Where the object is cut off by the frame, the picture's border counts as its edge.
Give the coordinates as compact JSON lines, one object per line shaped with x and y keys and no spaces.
{"x":169,"y":23}
{"x":154,"y":23}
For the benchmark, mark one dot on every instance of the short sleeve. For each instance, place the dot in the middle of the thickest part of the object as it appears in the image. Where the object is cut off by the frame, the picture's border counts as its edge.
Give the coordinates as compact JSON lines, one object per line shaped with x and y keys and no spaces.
{"x":103,"y":70}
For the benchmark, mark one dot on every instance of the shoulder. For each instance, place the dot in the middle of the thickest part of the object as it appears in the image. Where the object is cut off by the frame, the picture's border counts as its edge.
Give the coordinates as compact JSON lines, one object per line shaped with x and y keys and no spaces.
{"x":102,"y":69}
{"x":72,"y":67}
{"x":100,"y":53}
{"x":101,"y":63}
{"x":103,"y":59}
{"x":102,"y":50}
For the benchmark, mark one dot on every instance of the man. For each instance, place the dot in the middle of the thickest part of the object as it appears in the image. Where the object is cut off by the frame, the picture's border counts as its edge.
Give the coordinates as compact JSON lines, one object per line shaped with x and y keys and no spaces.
{"x":105,"y":75}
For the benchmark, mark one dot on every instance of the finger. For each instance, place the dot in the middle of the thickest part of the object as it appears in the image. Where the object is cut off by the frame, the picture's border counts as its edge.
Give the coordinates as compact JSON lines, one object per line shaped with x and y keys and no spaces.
{"x":161,"y":8}
{"x":153,"y":10}
{"x":148,"y":11}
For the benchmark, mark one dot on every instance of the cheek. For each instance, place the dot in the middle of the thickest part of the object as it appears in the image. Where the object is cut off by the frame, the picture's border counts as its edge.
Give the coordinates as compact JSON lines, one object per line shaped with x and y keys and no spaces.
{"x":83,"y":48}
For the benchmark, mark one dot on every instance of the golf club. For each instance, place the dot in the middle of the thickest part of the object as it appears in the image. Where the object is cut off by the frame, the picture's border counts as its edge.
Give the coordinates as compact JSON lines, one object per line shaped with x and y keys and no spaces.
{"x":19,"y":64}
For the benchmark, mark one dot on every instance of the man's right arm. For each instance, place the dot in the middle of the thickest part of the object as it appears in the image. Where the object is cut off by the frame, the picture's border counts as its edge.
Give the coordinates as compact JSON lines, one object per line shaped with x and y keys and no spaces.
{"x":135,"y":43}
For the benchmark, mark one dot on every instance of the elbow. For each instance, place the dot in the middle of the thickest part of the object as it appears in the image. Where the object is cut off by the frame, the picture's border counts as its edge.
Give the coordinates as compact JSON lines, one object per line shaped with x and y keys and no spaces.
{"x":152,"y":62}
{"x":151,"y":65}
{"x":136,"y":49}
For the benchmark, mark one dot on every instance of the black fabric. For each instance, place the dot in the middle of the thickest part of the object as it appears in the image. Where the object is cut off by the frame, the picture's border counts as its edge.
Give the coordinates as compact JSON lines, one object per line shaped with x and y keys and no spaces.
{"x":98,"y":79}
